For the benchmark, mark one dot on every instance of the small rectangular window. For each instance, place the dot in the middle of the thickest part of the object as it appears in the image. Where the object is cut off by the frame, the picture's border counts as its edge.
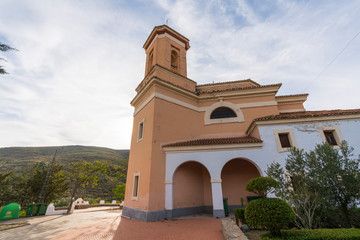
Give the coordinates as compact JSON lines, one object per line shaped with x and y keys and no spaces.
{"x":141,"y":130}
{"x":330,"y":138}
{"x":331,"y":135}
{"x":136,"y":186}
{"x":284,"y":140}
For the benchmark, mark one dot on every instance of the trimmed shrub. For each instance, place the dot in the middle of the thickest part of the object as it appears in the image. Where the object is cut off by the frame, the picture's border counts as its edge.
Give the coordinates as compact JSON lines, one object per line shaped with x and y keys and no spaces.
{"x":316,"y":234}
{"x":240,"y":215}
{"x":261,"y":185}
{"x":270,"y":213}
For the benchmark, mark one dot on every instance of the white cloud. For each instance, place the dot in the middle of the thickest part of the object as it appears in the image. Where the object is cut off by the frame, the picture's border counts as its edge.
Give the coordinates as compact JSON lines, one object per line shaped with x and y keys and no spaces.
{"x":80,"y":61}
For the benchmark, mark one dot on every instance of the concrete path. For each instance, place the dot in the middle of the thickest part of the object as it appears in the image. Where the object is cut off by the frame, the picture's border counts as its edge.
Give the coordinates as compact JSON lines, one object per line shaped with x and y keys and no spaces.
{"x":108,"y":225}
{"x":47,"y":227}
{"x":124,"y":229}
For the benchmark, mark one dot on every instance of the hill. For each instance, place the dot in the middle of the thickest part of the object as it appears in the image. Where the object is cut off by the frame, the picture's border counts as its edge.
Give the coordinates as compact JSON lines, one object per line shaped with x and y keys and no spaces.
{"x":23,"y":158}
{"x":20,"y":158}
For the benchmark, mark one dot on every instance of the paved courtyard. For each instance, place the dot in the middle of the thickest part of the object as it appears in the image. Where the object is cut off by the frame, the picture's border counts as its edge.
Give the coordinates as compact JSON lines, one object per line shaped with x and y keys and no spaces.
{"x":108,"y":225}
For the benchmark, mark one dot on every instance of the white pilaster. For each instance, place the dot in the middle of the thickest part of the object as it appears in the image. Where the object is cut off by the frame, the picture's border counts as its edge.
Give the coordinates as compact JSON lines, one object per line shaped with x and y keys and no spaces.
{"x":168,"y":195}
{"x":217,"y":197}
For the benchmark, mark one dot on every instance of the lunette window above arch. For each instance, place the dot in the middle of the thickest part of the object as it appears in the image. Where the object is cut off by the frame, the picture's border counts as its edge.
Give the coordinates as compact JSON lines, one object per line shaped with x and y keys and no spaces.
{"x":223,"y":112}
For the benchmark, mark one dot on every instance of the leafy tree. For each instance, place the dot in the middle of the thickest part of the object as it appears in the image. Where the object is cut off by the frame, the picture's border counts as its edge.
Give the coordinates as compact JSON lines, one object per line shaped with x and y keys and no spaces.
{"x":24,"y":187}
{"x":119,"y":191}
{"x":57,"y":186}
{"x":82,"y":174}
{"x":314,"y":181}
{"x":4,"y":48}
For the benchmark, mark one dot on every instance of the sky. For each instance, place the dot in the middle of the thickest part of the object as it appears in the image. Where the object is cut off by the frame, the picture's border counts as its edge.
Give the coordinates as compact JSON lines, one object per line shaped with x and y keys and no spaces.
{"x":79,"y":62}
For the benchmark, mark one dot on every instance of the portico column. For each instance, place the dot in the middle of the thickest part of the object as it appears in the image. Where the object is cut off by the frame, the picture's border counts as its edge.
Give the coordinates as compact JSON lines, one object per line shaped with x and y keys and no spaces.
{"x":217,"y":198}
{"x":168,"y":198}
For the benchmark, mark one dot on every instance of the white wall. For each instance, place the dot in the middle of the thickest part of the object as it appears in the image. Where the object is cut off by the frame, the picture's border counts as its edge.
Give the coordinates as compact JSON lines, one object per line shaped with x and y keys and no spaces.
{"x":306,"y":137}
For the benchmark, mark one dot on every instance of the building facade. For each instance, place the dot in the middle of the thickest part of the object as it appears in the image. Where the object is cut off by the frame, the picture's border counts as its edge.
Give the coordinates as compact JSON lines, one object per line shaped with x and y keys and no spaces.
{"x":193,"y":145}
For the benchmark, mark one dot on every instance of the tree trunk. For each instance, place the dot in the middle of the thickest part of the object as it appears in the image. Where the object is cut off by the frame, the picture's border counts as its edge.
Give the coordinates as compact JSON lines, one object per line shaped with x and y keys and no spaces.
{"x":72,"y":199}
{"x":345,"y":211}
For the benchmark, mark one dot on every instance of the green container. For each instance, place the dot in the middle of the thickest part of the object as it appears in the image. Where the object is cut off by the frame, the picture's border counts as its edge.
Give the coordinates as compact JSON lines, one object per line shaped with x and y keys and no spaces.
{"x":10,"y":211}
{"x":41,"y":208}
{"x":226,"y":207}
{"x":31,"y":210}
{"x":250,"y":198}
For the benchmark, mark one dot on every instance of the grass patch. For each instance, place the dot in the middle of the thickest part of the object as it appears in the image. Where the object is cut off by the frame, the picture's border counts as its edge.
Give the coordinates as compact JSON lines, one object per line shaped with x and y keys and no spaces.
{"x":316,"y":234}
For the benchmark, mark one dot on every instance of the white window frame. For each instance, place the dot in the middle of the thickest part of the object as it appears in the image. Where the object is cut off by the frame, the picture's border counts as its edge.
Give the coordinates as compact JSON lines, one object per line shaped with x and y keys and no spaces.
{"x":292,"y":141}
{"x":141,"y":136}
{"x":133,"y":196}
{"x":336,"y":132}
{"x":239,"y":115}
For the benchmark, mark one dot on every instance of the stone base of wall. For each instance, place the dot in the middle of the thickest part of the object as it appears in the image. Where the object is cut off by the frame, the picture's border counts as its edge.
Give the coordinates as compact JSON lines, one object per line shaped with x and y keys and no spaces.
{"x":150,"y":216}
{"x":141,"y":215}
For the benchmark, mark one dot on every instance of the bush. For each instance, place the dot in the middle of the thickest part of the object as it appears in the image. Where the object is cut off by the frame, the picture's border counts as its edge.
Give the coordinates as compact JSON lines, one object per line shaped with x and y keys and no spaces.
{"x":261,"y":185}
{"x":91,"y":200}
{"x":62,"y":202}
{"x":316,"y":234}
{"x":269,"y":213}
{"x":240,"y":215}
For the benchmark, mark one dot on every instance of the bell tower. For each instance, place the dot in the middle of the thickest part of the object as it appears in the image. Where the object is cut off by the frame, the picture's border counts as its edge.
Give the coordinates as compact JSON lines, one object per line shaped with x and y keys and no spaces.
{"x":165,"y":70}
{"x":167,"y":48}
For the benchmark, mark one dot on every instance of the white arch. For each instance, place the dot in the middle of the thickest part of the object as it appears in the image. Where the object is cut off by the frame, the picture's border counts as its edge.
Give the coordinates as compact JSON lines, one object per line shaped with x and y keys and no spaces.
{"x":171,"y":172}
{"x":242,"y":158}
{"x":235,"y":107}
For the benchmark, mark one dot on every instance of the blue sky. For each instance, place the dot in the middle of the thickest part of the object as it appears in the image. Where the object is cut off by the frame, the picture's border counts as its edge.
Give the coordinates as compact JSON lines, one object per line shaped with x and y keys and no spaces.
{"x":79,"y":62}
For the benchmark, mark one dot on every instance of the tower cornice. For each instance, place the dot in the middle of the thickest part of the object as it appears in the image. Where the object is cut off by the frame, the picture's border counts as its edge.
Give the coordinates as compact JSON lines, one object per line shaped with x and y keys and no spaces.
{"x":164,"y":29}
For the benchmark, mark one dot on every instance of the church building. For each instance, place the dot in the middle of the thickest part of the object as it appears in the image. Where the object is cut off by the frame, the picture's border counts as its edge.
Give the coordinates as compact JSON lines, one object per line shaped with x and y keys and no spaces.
{"x":194,"y":145}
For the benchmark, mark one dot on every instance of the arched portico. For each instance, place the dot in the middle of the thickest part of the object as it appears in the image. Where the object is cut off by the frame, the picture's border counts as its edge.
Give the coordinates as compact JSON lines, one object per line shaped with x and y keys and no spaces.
{"x":190,"y":189}
{"x":234,"y":175}
{"x":214,"y":162}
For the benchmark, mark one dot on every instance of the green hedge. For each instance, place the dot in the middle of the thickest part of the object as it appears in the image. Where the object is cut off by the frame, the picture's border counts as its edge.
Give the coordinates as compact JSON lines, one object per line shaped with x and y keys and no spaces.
{"x":240,"y":215}
{"x":316,"y":234}
{"x":270,"y":213}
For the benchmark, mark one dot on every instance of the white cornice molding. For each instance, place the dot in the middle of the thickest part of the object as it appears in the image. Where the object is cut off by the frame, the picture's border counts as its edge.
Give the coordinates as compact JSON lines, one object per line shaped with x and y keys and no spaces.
{"x":168,"y":36}
{"x":269,"y":90}
{"x":207,"y":148}
{"x":204,"y":109}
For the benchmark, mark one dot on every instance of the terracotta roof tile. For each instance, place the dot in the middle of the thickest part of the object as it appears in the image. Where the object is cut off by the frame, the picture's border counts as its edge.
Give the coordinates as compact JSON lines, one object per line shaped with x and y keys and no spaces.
{"x":236,"y":88}
{"x":292,"y":95}
{"x":309,"y":114}
{"x":215,"y":141}
{"x":227,"y":82}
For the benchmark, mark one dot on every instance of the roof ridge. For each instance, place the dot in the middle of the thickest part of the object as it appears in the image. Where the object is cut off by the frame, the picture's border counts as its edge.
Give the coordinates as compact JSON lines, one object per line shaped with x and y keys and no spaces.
{"x":237,"y":88}
{"x":313,"y":113}
{"x":236,"y":81}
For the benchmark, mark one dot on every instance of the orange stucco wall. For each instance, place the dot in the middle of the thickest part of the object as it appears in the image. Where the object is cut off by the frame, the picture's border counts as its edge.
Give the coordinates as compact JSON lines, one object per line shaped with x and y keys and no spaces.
{"x":235,"y":175}
{"x":140,"y":159}
{"x":295,"y":106}
{"x":191,"y":186}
